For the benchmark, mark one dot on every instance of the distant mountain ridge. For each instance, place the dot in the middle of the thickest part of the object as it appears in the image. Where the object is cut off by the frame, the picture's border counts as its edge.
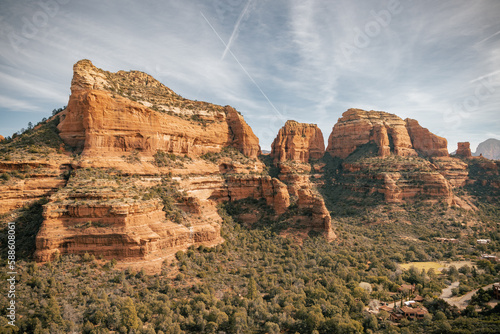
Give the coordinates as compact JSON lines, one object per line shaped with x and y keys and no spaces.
{"x":490,"y":148}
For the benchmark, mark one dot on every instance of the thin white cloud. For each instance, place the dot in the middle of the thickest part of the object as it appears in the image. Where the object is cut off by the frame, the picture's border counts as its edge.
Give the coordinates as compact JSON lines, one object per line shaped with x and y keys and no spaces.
{"x":16,"y":105}
{"x":285,"y":55}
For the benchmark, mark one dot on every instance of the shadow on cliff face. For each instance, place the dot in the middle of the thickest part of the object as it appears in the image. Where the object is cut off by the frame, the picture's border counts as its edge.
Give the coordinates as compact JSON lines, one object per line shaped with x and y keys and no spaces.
{"x":28,"y":223}
{"x":272,"y":169}
{"x":339,"y":198}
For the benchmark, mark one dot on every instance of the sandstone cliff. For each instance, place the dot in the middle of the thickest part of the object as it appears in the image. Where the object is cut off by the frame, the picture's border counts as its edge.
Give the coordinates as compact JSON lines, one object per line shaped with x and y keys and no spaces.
{"x":390,"y":133}
{"x":425,"y":142}
{"x":113,"y":216}
{"x":30,"y":181}
{"x":154,"y":166}
{"x":298,"y":142}
{"x":463,"y":150}
{"x":112,"y":113}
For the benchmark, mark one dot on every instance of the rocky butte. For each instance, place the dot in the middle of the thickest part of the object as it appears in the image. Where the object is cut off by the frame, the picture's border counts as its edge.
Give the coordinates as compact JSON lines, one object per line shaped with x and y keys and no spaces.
{"x":147,"y":172}
{"x":131,"y":170}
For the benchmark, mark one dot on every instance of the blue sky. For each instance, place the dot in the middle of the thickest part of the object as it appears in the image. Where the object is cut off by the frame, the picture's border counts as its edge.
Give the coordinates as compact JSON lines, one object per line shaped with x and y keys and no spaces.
{"x":273,"y":60}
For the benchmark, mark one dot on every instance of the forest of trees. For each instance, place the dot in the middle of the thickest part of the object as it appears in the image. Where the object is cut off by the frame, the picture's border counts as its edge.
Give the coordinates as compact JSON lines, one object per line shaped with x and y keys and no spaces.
{"x":255,"y":282}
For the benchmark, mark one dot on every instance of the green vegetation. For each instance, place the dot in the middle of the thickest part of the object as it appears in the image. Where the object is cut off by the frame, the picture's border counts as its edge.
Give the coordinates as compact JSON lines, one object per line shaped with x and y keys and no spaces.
{"x":256,"y":282}
{"x":227,"y":152}
{"x":164,"y":159}
{"x":41,"y":139}
{"x":133,"y":157}
{"x":170,"y":195}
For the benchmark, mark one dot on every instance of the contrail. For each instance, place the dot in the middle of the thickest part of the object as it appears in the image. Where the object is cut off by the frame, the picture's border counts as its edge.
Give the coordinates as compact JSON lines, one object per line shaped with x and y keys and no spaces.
{"x":484,"y":40}
{"x":238,"y":22}
{"x":242,"y":67}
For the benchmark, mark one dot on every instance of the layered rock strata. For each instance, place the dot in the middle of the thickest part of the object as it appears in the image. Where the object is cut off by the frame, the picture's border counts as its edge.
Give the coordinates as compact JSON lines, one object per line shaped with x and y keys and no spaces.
{"x":391,"y":134}
{"x":298,"y":142}
{"x":463,"y":150}
{"x":425,"y":142}
{"x":30,"y":181}
{"x":93,"y":216}
{"x":102,"y":119}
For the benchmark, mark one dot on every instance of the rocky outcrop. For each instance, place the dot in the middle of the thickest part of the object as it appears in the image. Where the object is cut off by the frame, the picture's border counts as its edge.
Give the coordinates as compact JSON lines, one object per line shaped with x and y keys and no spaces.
{"x":357,"y":127}
{"x":240,"y":187}
{"x":241,"y":135}
{"x":91,"y":216}
{"x":453,"y":169}
{"x":425,"y":142}
{"x":298,"y":142}
{"x":102,"y":118}
{"x":312,"y":211}
{"x":391,"y":134}
{"x":463,"y":150}
{"x":318,"y":217}
{"x":29,"y":181}
{"x":399,"y":181}
{"x":408,"y":179}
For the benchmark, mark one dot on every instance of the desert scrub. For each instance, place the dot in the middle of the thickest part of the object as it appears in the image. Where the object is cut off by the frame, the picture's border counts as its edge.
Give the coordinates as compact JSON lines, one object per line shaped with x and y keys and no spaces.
{"x":165,"y":159}
{"x":132,"y":158}
{"x":169,"y":194}
{"x":227,"y":152}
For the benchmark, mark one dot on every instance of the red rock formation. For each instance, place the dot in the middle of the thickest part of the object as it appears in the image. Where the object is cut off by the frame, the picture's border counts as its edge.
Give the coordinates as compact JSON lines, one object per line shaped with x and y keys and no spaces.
{"x":399,"y":180}
{"x":357,"y":127}
{"x":272,"y":190}
{"x":425,"y":142}
{"x":298,"y":142}
{"x":92,"y":217}
{"x":1,"y":138}
{"x":319,"y":219}
{"x":241,"y":135}
{"x":391,"y":134}
{"x":463,"y":150}
{"x":295,"y":176}
{"x":102,"y":122}
{"x":36,"y":179}
{"x":298,"y":181}
{"x":454,"y":170}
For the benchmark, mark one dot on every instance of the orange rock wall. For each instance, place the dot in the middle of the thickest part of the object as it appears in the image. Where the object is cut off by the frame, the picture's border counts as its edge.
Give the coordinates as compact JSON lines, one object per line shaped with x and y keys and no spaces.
{"x":103,"y":122}
{"x":425,"y":142}
{"x":463,"y":150}
{"x":298,"y":142}
{"x":391,"y":134}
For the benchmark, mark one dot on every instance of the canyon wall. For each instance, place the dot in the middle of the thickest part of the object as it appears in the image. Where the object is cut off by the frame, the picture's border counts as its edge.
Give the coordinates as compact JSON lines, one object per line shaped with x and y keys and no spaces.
{"x":110,"y":193}
{"x":121,"y":112}
{"x":298,"y":142}
{"x":391,"y":134}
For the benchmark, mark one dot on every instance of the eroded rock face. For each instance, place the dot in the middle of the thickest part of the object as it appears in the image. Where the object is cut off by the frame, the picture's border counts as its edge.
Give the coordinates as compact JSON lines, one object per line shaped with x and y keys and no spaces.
{"x":398,"y":180}
{"x":298,"y":142}
{"x":453,"y":169}
{"x":357,"y":127}
{"x":425,"y":142}
{"x":103,"y":117}
{"x":391,"y":134}
{"x":92,"y":216}
{"x":35,"y":180}
{"x":272,"y":190}
{"x":320,"y":219}
{"x":313,"y":213}
{"x":463,"y":150}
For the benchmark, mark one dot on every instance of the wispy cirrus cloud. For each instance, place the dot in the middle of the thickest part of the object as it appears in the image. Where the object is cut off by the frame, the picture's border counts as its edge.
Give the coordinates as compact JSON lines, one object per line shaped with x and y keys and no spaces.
{"x":307,"y":60}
